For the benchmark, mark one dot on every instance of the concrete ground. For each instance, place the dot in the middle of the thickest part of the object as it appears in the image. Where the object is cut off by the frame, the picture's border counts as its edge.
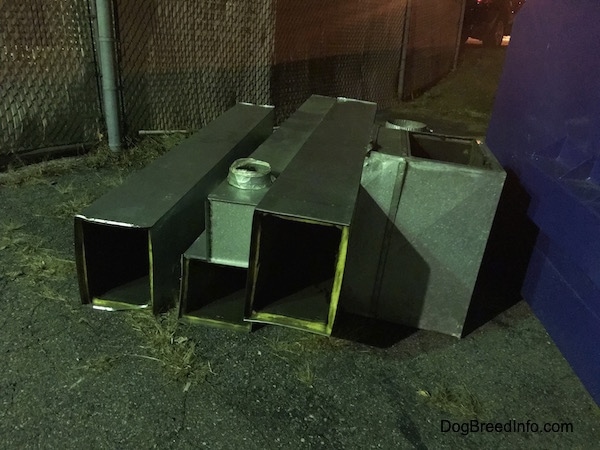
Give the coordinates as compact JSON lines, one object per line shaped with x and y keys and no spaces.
{"x":72,"y":377}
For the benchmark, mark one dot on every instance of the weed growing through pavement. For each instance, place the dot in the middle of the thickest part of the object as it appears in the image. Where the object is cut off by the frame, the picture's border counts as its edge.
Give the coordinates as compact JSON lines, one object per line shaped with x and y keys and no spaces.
{"x":305,"y":344}
{"x":32,"y":257}
{"x":298,"y":353}
{"x":49,"y":293}
{"x":458,"y":401}
{"x":37,"y":265}
{"x":45,"y":263}
{"x":114,"y":180}
{"x":305,"y":374}
{"x":64,"y":189}
{"x":73,"y":205}
{"x":176,"y":353}
{"x":101,"y":364}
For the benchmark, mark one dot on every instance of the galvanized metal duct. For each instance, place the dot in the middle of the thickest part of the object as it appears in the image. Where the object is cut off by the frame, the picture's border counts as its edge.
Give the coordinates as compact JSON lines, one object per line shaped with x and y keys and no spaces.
{"x":211,"y":294}
{"x":214,"y":268}
{"x":129,"y":242}
{"x":423,"y":218}
{"x":230,"y":210}
{"x":300,"y":228}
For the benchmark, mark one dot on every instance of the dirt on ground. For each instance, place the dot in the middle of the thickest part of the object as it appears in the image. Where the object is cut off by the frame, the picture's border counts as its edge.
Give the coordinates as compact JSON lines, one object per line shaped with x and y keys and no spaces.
{"x":73,"y":377}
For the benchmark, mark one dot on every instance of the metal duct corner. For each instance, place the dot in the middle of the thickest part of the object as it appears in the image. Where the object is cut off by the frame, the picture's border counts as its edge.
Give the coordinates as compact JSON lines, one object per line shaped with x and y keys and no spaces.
{"x":423,"y":218}
{"x":128,"y":243}
{"x":212,"y":294}
{"x":301,"y":227}
{"x":216,"y":263}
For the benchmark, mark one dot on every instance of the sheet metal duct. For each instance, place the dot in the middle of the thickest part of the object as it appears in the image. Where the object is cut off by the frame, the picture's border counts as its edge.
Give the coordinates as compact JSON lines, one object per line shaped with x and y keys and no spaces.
{"x":128,"y":243}
{"x":301,"y":227}
{"x":423,"y":218}
{"x":214,"y":265}
{"x":230,"y":210}
{"x":212,"y":294}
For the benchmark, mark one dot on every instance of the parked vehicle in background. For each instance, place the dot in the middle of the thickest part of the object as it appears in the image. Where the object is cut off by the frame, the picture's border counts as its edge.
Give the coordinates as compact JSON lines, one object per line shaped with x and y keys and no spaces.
{"x":489,"y":20}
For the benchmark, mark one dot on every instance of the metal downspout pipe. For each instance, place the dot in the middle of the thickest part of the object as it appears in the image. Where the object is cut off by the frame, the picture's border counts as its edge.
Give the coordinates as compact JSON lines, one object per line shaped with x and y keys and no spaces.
{"x":108,"y":72}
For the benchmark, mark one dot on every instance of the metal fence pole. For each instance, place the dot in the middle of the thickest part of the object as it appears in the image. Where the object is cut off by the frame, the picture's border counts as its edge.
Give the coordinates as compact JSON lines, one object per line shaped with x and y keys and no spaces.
{"x":108,"y":72}
{"x":405,"y":41}
{"x":459,"y":39}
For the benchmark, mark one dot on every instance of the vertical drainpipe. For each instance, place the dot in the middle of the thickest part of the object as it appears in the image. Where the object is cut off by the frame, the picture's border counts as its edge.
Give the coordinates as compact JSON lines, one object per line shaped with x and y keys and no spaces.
{"x":405,"y":40}
{"x":108,"y":72}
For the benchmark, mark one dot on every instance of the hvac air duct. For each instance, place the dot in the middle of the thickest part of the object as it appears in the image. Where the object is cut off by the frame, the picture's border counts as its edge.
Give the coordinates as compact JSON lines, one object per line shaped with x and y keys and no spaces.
{"x":423,"y":218}
{"x":128,"y":243}
{"x":301,"y":227}
{"x":215,"y":266}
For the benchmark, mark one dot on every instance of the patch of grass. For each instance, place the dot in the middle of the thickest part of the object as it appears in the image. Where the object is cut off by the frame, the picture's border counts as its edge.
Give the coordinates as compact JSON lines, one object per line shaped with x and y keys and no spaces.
{"x":306,"y":344}
{"x":176,"y":353}
{"x":48,"y":265}
{"x":35,"y":260}
{"x":305,"y":374}
{"x":65,"y":189}
{"x":298,"y":353}
{"x":49,"y":293}
{"x":284,"y":349}
{"x":12,"y":275}
{"x":136,"y":156}
{"x":456,"y":400}
{"x":72,"y":206}
{"x":8,"y":236}
{"x":100,"y":364}
{"x":10,"y":226}
{"x":38,"y":173}
{"x":115,"y":180}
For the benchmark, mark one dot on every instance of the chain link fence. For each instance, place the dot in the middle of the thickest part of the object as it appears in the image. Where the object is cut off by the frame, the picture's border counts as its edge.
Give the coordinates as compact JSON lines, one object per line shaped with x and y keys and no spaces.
{"x":48,"y":84}
{"x":184,"y":62}
{"x":336,"y":48}
{"x":434,"y":30}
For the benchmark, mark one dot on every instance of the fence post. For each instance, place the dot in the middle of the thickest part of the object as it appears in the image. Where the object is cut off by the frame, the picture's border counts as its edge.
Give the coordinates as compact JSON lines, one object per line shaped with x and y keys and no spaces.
{"x":405,"y":42}
{"x":107,"y":58}
{"x":459,"y":39}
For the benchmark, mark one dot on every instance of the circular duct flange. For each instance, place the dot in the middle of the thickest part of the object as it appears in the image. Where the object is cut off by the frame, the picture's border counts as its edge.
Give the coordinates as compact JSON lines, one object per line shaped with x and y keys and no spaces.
{"x":250,"y":173}
{"x":407,"y":125}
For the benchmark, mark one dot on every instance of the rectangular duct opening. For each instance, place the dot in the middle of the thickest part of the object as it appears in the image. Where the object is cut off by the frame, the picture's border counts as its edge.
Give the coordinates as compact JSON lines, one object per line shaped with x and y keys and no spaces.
{"x":117,"y":265}
{"x":214,"y":294}
{"x":448,"y":149}
{"x":295,"y":272}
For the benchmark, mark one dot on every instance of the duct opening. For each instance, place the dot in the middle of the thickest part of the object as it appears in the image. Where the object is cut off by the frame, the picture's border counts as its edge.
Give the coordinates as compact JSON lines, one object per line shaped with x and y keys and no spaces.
{"x":295,"y":271}
{"x":117,"y":265}
{"x":214,"y":293}
{"x":406,"y":125}
{"x":250,"y":173}
{"x":448,"y":149}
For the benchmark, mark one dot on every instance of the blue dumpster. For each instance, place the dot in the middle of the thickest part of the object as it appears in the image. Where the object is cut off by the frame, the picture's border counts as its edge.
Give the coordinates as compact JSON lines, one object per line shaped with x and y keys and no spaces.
{"x":545,"y":127}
